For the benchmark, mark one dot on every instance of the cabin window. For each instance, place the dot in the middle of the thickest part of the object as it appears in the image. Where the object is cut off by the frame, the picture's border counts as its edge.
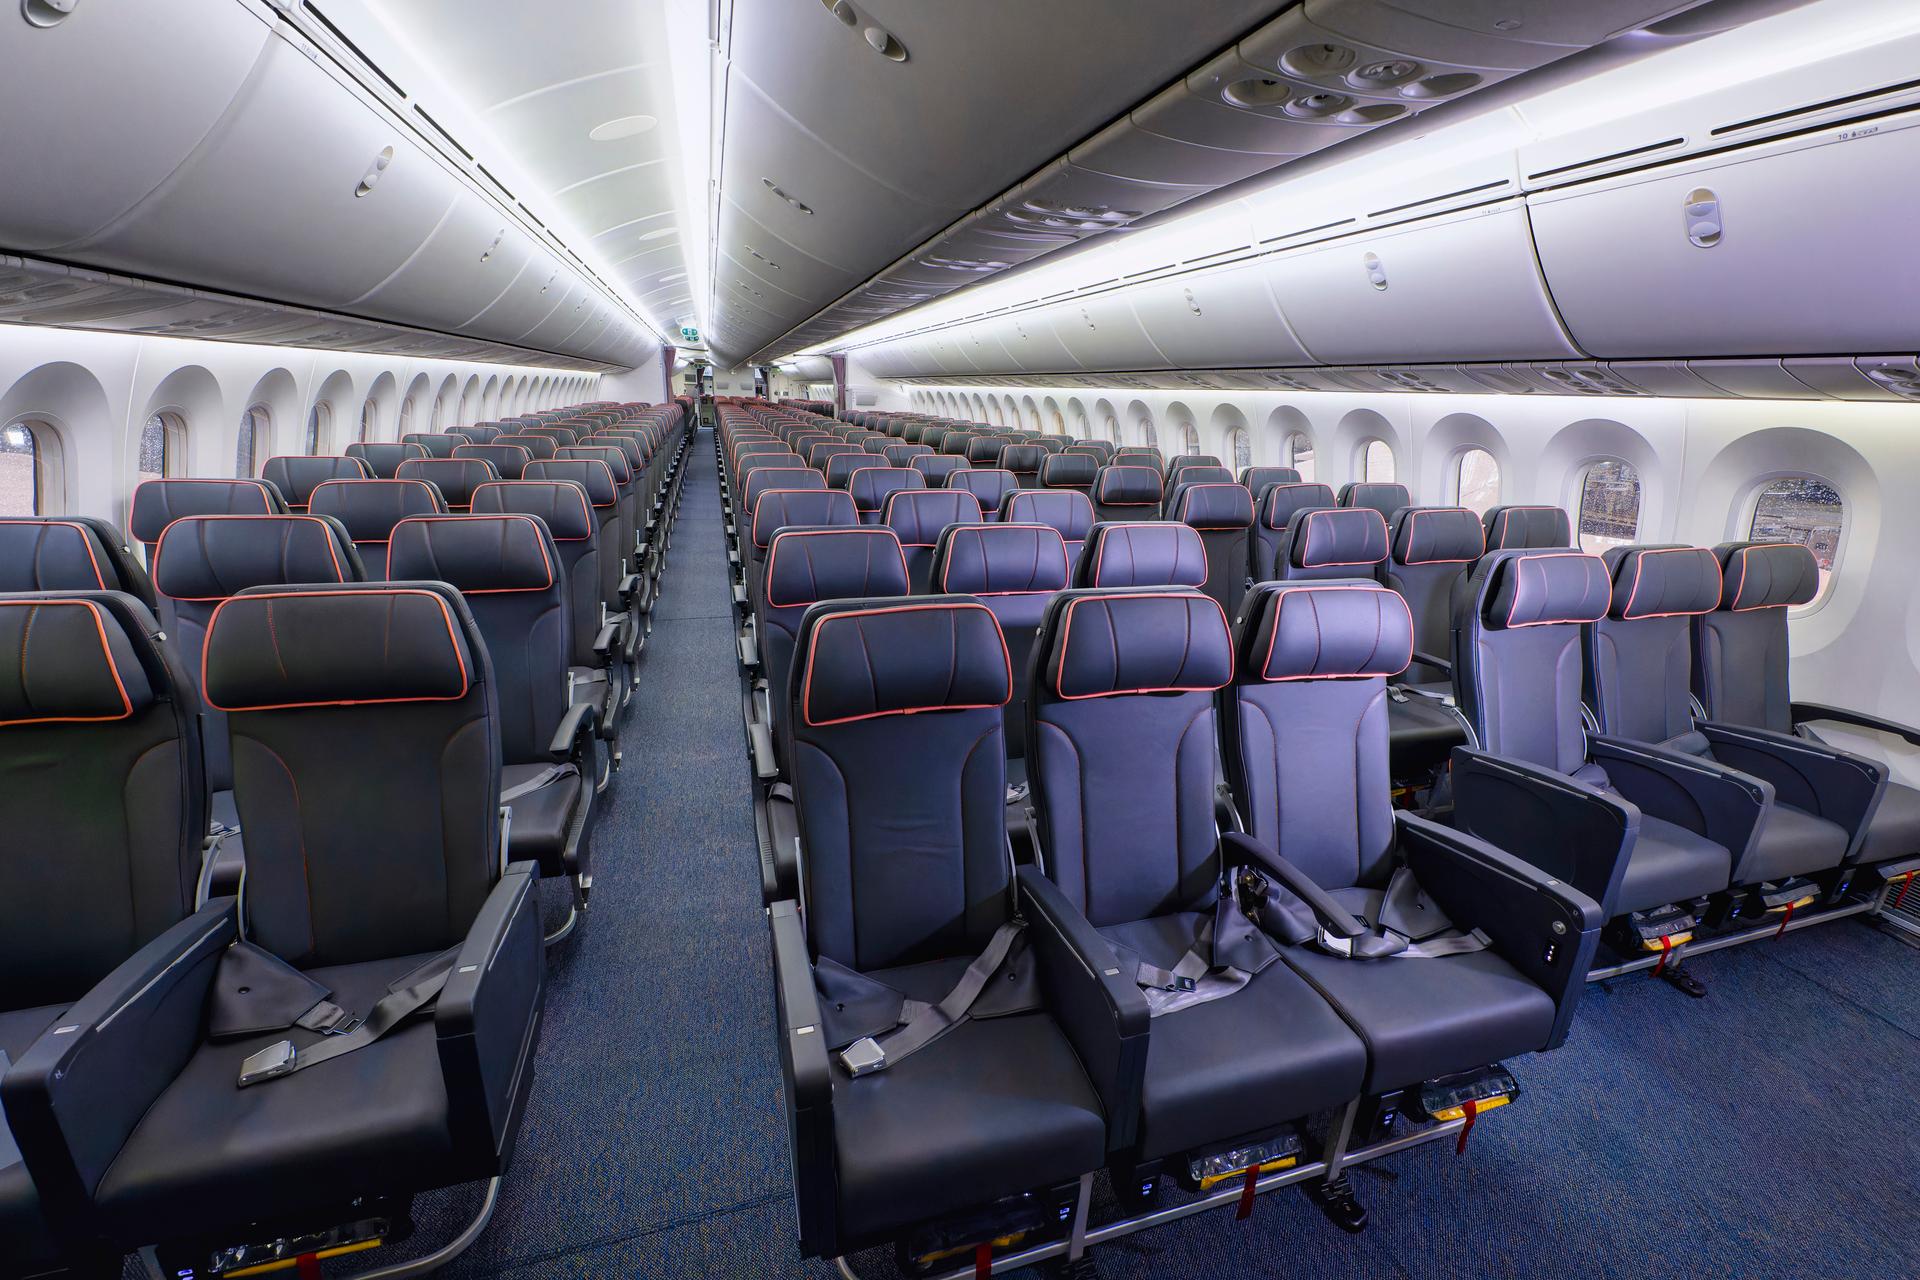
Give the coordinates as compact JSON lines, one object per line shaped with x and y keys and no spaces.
{"x":438,"y":416}
{"x":1240,"y":445}
{"x":163,"y":442}
{"x":1376,"y":462}
{"x":255,"y":426}
{"x":1112,"y":429}
{"x":1299,"y":453}
{"x":1149,"y":434}
{"x":1059,"y":423}
{"x":22,"y":473}
{"x":317,"y":423}
{"x":368,"y":412}
{"x":1476,"y":480}
{"x":406,"y":416}
{"x":1189,"y":438}
{"x":1609,"y":506}
{"x":1802,"y":509}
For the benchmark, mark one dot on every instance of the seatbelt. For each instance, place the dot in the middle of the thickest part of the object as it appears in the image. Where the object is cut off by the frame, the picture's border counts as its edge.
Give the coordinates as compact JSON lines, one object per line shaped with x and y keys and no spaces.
{"x":1200,"y":976}
{"x":394,"y":1008}
{"x":922,"y":1025}
{"x":549,"y":774}
{"x":1400,"y":933}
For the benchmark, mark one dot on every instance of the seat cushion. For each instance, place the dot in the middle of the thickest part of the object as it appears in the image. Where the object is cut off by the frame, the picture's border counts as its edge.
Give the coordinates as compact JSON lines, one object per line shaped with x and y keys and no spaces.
{"x":23,"y":1233}
{"x":1894,"y":832}
{"x":1794,"y":843}
{"x":993,"y":1108}
{"x":540,"y":818}
{"x":212,"y":1156}
{"x":1426,"y":1018}
{"x":1269,"y":1053}
{"x":1669,"y":863}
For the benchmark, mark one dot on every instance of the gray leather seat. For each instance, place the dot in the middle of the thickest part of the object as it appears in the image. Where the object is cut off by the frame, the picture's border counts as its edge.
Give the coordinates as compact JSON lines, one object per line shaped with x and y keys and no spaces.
{"x":777,"y":509}
{"x":383,"y":459}
{"x":508,"y":461}
{"x":939,"y":468}
{"x":158,"y":503}
{"x":1223,"y":515}
{"x":872,"y":487}
{"x":989,"y":486}
{"x":1322,"y":543}
{"x":1276,"y":505}
{"x":1429,"y":552}
{"x":296,"y":476}
{"x":1013,"y":569}
{"x":1069,"y":512}
{"x":1142,"y":554}
{"x":70,"y":553}
{"x":1517,"y":527}
{"x":917,"y":517}
{"x":455,"y":478}
{"x":368,"y":510}
{"x":1127,"y":492}
{"x":1386,"y":497}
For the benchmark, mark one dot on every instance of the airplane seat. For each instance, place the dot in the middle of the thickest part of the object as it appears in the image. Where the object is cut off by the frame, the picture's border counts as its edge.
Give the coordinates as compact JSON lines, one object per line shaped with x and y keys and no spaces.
{"x":70,"y":553}
{"x":1140,"y":456}
{"x":367,"y":769}
{"x":509,"y":461}
{"x":1276,"y":504}
{"x":895,"y":715}
{"x":934,"y":436}
{"x":820,"y":456}
{"x":1013,"y":569}
{"x":1443,"y":953}
{"x":1069,"y":470}
{"x":917,"y":517}
{"x":1383,"y":496}
{"x":632,"y":519}
{"x":814,"y":506}
{"x":562,"y":434}
{"x":1100,"y":450}
{"x":618,"y":586}
{"x":876,"y":444}
{"x":842,"y":465}
{"x":455,"y":478}
{"x":540,"y":448}
{"x":158,"y":503}
{"x":1069,"y":512}
{"x":296,"y":475}
{"x":1153,"y":553}
{"x":1223,"y":515}
{"x":764,"y":479}
{"x":939,"y":468}
{"x":1256,"y":479}
{"x":93,"y":688}
{"x":1181,"y":462}
{"x":483,"y":432}
{"x":989,"y":486}
{"x":1331,"y":542}
{"x":438,"y":444}
{"x":985,"y":450}
{"x":1051,"y":442}
{"x":1514,"y":528}
{"x":902,"y":455}
{"x":368,"y":510}
{"x":1124,"y":492}
{"x":384,"y":459}
{"x":959,"y":444}
{"x":870,"y":487}
{"x":508,"y":570}
{"x":1025,"y":461}
{"x":1429,"y":551}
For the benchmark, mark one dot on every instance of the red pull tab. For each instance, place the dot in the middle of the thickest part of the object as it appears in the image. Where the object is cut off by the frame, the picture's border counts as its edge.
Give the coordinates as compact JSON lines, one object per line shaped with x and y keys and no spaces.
{"x":308,"y":1265}
{"x":1666,"y":949}
{"x":983,"y":1260}
{"x":1245,"y":1210}
{"x":1786,"y":917}
{"x":1905,"y":885}
{"x":1472,"y":1109}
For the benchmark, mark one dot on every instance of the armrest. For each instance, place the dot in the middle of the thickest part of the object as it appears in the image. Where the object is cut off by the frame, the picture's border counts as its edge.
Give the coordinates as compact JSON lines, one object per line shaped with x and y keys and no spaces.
{"x":488,"y":1018}
{"x":1542,"y":926}
{"x":603,"y":642}
{"x":1101,"y":1010}
{"x":1813,"y":712}
{"x":1240,"y":850}
{"x":629,"y":583}
{"x":574,"y":736}
{"x":1704,"y":796}
{"x":749,"y":650}
{"x":1568,"y":829}
{"x":78,"y":1091}
{"x":1434,"y":660}
{"x":1837,"y":785}
{"x":808,"y":1077}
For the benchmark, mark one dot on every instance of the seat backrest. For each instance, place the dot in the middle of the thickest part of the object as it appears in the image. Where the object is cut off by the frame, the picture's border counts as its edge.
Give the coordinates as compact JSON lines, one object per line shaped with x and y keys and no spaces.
{"x":603,"y":495}
{"x":1429,"y":551}
{"x":1275,"y":505}
{"x":917,"y":516}
{"x":508,"y":569}
{"x":1184,"y":461}
{"x":482,"y":432}
{"x":1639,"y":658}
{"x":1013,"y":569}
{"x":1155,"y":553}
{"x":1140,"y":456}
{"x":366,"y":766}
{"x":841,"y":466}
{"x":54,"y":553}
{"x":1068,"y":511}
{"x":1069,"y":471}
{"x":870,"y":487}
{"x":1025,"y":461}
{"x":989,"y":486}
{"x":958,"y":443}
{"x":509,"y":461}
{"x":1100,"y":450}
{"x":1223,"y":515}
{"x":455,"y":478}
{"x":158,"y":503}
{"x":934,"y":435}
{"x":1385,"y":497}
{"x":1331,"y":542}
{"x":1303,"y":727}
{"x":899,"y":779}
{"x":1514,"y":528}
{"x":902,"y":455}
{"x":561,"y":435}
{"x":819,"y":455}
{"x":368,"y":510}
{"x":1127,"y":491}
{"x":768,"y":462}
{"x":1258,"y":478}
{"x":1517,"y":669}
{"x":382,"y":458}
{"x":101,"y":797}
{"x":939,"y":468}
{"x":297,"y":475}
{"x":767,"y":478}
{"x":985,"y":451}
{"x":562,"y":506}
{"x":1740,"y":650}
{"x":437,"y":444}
{"x":1120,"y":748}
{"x":540,"y":448}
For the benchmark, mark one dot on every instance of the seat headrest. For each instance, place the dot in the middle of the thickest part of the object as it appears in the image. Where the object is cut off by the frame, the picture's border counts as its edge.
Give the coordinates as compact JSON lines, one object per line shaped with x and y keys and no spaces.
{"x":1199,"y":473}
{"x":779,"y":508}
{"x":957,"y":442}
{"x":1767,"y":575}
{"x":541,"y":447}
{"x":1333,"y":537}
{"x":296,"y":476}
{"x":1105,"y":643}
{"x":1001,"y":560}
{"x":1143,"y":554}
{"x":590,"y":474}
{"x":985,"y":449}
{"x":368,"y":509}
{"x":1279,"y":502}
{"x":1515,"y":528}
{"x":861,"y":661}
{"x":52,"y":555}
{"x":1383,"y":496}
{"x":67,"y":660}
{"x":213,"y":557}
{"x":1068,"y":510}
{"x":561,"y":505}
{"x":1187,"y":460}
{"x":1121,"y":485}
{"x":455,"y":478}
{"x":478,"y":554}
{"x":870,"y":486}
{"x":1662,"y":582}
{"x":805,"y":565}
{"x":1140,"y":455}
{"x":437,"y":444}
{"x":938,"y":468}
{"x":1437,"y":535}
{"x":759,"y":482}
{"x":901,"y":455}
{"x":158,"y":503}
{"x":628,"y":446}
{"x":1213,"y":505}
{"x":990,"y":485}
{"x":1547,"y":588}
{"x":615,"y":459}
{"x":918,"y":515}
{"x":1317,"y":630}
{"x":841,"y":466}
{"x":273,"y":650}
{"x":1027,"y":458}
{"x":1258,"y":478}
{"x":509,"y":461}
{"x":382,"y":458}
{"x":1069,"y":469}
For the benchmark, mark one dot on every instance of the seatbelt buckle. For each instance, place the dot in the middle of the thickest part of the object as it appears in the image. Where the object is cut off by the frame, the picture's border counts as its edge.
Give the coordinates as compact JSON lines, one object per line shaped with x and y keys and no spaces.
{"x":863,"y":1057}
{"x":1181,"y":984}
{"x":274,"y":1060}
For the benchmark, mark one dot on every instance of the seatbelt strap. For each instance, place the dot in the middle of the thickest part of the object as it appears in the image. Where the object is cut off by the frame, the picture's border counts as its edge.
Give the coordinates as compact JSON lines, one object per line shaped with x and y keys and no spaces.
{"x":551,"y":773}
{"x":929,"y":1022}
{"x":396,"y":1007}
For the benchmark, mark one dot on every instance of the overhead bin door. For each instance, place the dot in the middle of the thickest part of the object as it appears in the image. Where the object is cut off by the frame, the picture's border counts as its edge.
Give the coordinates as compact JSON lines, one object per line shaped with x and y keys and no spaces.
{"x":1803,"y":245}
{"x":1224,"y":317}
{"x":1102,"y":332}
{"x":466,"y":263}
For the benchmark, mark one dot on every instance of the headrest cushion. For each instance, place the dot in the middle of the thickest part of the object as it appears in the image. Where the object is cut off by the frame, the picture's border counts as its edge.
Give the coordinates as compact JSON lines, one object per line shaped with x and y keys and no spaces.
{"x":805,"y":566}
{"x":871,"y":485}
{"x":369,"y":509}
{"x":1278,"y":502}
{"x":1120,"y":485}
{"x":508,"y":461}
{"x":1076,"y":469}
{"x":1258,"y":478}
{"x":455,"y":478}
{"x":1333,"y":537}
{"x":274,"y":650}
{"x":918,"y":515}
{"x":1144,"y":554}
{"x":616,"y":459}
{"x":438,"y":444}
{"x":937,"y":467}
{"x":1548,"y":588}
{"x":1766,"y":575}
{"x":477,"y":554}
{"x":213,"y":557}
{"x":297,"y":475}
{"x":1023,"y":457}
{"x":759,"y":482}
{"x":590,"y":474}
{"x":52,"y":555}
{"x":541,"y":447}
{"x":1383,"y":496}
{"x":1664,"y":582}
{"x":1199,"y":473}
{"x":559,"y":504}
{"x":1213,"y":505}
{"x":1514,"y":528}
{"x":158,"y":503}
{"x":1067,"y":510}
{"x":1313,"y":630}
{"x":1109,"y":643}
{"x":1438,"y":535}
{"x":66,"y":661}
{"x":1003,"y":560}
{"x":990,"y":485}
{"x":940,"y":653}
{"x":779,"y":508}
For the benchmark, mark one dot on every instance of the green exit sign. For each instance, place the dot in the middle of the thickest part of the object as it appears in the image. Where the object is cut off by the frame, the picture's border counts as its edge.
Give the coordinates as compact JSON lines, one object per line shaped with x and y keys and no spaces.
{"x":689,"y":333}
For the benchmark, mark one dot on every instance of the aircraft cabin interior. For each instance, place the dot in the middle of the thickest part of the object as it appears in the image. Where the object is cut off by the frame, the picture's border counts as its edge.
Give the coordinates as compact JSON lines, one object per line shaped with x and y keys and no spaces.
{"x":921,"y":641}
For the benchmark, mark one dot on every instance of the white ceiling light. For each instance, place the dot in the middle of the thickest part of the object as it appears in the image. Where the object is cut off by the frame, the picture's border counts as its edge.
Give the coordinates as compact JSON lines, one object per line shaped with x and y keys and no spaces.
{"x":623,"y":127}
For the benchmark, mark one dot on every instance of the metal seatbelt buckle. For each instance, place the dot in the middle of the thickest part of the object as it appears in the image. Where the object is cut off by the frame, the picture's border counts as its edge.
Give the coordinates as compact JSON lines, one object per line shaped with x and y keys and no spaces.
{"x":863,"y":1057}
{"x":1182,"y":984}
{"x":274,"y":1060}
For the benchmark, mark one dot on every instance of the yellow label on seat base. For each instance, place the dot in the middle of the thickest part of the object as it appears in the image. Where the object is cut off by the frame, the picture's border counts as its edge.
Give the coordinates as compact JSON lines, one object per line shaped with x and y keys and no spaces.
{"x":287,"y":1264}
{"x":1481,"y":1106}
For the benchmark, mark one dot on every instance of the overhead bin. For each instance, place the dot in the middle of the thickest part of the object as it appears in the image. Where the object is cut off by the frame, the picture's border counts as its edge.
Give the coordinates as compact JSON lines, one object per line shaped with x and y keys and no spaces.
{"x":1786,"y":247}
{"x":528,"y":300}
{"x":1226,"y":316}
{"x":467,"y":262}
{"x":1099,"y":332}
